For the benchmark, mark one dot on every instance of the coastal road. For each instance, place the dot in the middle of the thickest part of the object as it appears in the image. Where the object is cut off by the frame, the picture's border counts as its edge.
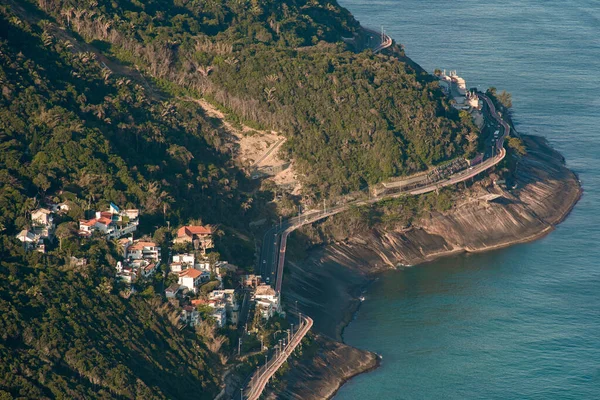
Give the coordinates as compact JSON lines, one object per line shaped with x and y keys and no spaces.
{"x":275,"y":239}
{"x":263,"y":374}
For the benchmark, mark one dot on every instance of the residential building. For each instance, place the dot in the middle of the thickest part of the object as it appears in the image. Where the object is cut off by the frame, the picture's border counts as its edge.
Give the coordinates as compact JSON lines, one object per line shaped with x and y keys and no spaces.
{"x":113,"y":223}
{"x":200,"y":236}
{"x":267,"y":301}
{"x":251,"y":281}
{"x":149,"y":270}
{"x":219,"y":313}
{"x":31,"y":240}
{"x":143,"y":250}
{"x":182,"y":262}
{"x":190,"y":316}
{"x":186,"y":258}
{"x":228,"y":298}
{"x":190,"y":278}
{"x":42,"y":217}
{"x":172,"y":291}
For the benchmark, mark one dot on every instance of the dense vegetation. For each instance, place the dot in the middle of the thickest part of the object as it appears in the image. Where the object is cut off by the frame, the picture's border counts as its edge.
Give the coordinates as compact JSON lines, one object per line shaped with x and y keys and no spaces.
{"x":76,"y":126}
{"x":351,"y":119}
{"x":71,"y":131}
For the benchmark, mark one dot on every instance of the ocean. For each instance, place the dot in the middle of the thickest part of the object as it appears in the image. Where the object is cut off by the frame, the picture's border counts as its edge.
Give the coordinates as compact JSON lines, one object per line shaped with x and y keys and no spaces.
{"x":518,"y":323}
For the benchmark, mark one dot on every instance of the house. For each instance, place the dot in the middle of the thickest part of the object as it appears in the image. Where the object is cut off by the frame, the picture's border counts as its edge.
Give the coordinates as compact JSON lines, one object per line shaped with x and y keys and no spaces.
{"x":113,"y":223}
{"x":190,"y":278}
{"x":251,"y":281}
{"x":124,"y":244}
{"x":203,"y":265}
{"x":149,"y":270}
{"x":200,"y":236}
{"x":143,"y":250}
{"x":103,"y":224}
{"x":190,"y":316}
{"x":266,"y":308}
{"x":228,"y":298}
{"x":219,"y":313}
{"x":267,"y":301}
{"x":186,"y":258}
{"x":42,"y":217}
{"x":172,"y":291}
{"x":27,"y":237}
{"x":182,"y":262}
{"x":32,"y":240}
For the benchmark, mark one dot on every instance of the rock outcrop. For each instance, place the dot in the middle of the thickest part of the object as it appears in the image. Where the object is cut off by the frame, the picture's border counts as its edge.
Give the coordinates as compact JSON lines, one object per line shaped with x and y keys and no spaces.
{"x":328,"y":284}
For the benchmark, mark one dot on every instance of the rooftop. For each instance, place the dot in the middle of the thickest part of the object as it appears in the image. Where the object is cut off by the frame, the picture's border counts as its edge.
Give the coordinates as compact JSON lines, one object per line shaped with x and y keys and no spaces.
{"x":190,"y":230}
{"x":190,"y":273}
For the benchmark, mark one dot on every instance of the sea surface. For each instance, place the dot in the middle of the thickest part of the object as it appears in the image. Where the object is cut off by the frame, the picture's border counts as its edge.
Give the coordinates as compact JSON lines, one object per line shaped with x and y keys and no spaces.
{"x":524,"y":322}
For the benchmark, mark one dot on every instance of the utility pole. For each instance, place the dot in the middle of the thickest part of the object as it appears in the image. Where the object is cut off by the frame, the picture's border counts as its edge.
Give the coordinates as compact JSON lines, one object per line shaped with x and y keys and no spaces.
{"x":288,"y":331}
{"x":292,"y":329}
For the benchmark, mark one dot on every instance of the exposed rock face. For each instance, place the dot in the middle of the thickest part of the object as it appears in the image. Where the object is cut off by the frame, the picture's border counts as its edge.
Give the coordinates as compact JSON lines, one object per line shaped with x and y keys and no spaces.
{"x":326,"y":371}
{"x":328,"y":283}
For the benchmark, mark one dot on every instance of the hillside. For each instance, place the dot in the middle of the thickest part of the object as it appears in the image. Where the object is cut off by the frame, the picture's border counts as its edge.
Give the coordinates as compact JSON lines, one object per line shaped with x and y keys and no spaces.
{"x":95,"y":109}
{"x":350,"y":118}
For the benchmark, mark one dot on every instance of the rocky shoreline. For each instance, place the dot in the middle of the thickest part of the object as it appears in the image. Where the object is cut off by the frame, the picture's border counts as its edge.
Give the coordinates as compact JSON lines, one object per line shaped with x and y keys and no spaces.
{"x":328,"y":283}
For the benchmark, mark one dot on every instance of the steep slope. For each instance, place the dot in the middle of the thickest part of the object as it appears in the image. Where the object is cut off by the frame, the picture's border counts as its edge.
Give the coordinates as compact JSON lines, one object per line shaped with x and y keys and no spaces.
{"x":350,"y":119}
{"x":70,"y":130}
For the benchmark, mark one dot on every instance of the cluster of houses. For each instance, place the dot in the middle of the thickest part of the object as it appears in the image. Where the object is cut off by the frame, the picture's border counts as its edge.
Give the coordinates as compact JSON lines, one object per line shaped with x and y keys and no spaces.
{"x":456,"y":87}
{"x":41,"y":230}
{"x":113,"y":223}
{"x":265,"y":298}
{"x":142,"y":258}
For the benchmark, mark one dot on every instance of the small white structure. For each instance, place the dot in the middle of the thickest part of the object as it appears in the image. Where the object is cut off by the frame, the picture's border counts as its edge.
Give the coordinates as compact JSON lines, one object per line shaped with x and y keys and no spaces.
{"x":143,"y":250}
{"x":190,"y":278}
{"x":219,"y":313}
{"x":42,"y":217}
{"x":267,"y":301}
{"x":190,"y":316}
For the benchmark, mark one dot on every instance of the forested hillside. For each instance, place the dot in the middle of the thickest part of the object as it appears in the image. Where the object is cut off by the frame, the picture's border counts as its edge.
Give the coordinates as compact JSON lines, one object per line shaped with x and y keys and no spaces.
{"x":71,"y":130}
{"x":350,"y":118}
{"x":94,"y":108}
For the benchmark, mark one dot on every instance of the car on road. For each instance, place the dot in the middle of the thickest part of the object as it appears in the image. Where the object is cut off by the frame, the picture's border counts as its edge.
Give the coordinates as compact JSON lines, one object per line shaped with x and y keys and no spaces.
{"x":264,"y":261}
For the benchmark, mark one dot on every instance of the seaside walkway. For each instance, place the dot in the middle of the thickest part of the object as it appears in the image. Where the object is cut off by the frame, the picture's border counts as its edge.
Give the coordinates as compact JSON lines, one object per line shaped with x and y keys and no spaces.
{"x":262,"y":375}
{"x":275,"y":240}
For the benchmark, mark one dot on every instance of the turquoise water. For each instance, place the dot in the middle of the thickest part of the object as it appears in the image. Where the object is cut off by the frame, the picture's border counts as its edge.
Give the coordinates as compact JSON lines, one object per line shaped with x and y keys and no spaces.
{"x":524,"y":322}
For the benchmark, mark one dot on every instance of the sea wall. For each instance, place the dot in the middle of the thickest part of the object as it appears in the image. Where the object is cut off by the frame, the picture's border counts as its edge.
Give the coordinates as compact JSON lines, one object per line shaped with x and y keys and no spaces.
{"x":327,"y":284}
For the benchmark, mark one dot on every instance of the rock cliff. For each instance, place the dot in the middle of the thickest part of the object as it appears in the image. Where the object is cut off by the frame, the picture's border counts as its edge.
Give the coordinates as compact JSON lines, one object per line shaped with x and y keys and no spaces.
{"x":328,"y":283}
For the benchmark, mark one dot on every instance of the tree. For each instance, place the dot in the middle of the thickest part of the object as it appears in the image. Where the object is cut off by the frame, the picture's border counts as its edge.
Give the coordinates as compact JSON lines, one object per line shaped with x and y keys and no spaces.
{"x":517,"y":145}
{"x":66,"y":230}
{"x":505,"y":99}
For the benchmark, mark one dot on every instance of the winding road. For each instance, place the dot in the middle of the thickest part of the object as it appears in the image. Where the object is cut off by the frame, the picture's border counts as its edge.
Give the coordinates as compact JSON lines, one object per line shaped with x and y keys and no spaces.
{"x":272,"y":259}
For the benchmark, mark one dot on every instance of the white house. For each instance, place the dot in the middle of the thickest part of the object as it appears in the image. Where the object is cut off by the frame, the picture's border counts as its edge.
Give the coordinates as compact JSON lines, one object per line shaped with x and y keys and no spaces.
{"x":190,"y":316}
{"x":143,"y":250}
{"x":219,"y":313}
{"x":226,"y":296}
{"x":186,"y":258}
{"x":182,"y":262}
{"x":190,"y":278}
{"x":42,"y":217}
{"x":267,"y":300}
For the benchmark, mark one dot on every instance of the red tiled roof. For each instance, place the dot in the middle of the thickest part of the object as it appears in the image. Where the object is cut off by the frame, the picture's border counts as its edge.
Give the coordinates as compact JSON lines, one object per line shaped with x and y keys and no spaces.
{"x":104,"y":221}
{"x":141,"y":245}
{"x":191,"y":273}
{"x":190,"y":230}
{"x":106,"y":214}
{"x":149,"y":267}
{"x":90,"y":222}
